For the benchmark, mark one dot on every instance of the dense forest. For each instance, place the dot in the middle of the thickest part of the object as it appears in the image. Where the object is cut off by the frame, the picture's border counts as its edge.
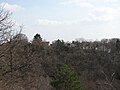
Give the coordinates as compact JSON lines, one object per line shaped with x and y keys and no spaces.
{"x":40,"y":65}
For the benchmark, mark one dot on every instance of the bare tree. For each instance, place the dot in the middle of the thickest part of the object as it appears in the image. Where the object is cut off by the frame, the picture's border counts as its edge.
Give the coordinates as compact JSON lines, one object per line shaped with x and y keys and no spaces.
{"x":6,"y":25}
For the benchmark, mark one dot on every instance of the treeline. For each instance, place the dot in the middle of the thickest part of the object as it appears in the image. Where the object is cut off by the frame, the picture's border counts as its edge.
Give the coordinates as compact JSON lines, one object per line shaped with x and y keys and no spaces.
{"x":32,"y":65}
{"x":39,"y":65}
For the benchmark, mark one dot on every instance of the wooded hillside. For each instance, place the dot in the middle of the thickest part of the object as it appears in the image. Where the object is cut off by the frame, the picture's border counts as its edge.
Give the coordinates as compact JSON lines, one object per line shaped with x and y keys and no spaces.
{"x":39,"y":65}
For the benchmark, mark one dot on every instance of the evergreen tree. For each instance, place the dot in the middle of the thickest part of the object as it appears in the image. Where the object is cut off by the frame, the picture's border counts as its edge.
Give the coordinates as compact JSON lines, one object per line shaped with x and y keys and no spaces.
{"x":66,"y":79}
{"x":37,"y":43}
{"x":37,"y":37}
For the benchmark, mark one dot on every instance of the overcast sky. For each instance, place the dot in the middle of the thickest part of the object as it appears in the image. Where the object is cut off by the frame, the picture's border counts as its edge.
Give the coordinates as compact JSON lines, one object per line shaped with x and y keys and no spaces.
{"x":67,"y":19}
